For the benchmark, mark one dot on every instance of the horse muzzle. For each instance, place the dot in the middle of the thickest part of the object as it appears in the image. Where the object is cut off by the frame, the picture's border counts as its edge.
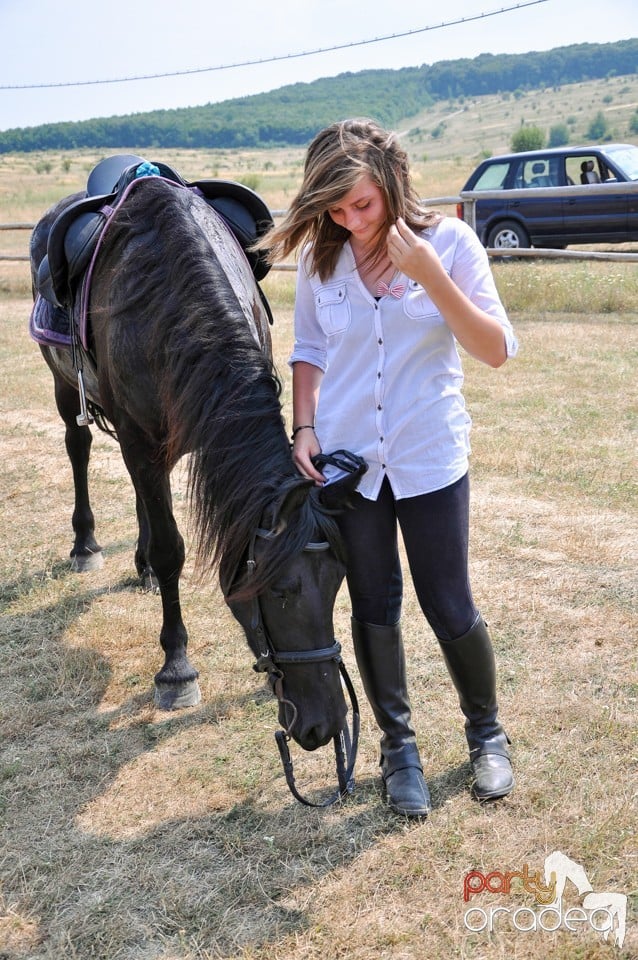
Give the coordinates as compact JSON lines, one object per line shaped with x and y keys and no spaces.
{"x":312,"y":732}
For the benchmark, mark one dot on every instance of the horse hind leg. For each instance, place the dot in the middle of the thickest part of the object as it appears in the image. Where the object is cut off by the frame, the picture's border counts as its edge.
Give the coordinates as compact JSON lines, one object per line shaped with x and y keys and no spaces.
{"x":86,"y":553}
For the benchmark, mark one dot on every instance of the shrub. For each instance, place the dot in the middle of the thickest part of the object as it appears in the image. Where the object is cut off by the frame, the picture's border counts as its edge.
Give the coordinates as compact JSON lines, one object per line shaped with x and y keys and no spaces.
{"x":597,"y":129}
{"x":528,"y":138}
{"x":558,"y":135}
{"x":251,"y":180}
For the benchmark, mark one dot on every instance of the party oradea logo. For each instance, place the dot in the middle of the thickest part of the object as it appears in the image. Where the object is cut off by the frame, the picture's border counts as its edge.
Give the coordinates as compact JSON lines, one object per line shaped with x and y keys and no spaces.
{"x":604,"y":913}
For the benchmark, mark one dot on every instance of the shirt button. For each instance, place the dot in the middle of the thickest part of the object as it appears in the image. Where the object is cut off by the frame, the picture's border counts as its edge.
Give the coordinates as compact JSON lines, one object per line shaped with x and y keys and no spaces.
{"x":379,"y":375}
{"x":379,"y":407}
{"x":379,"y":340}
{"x":381,"y":439}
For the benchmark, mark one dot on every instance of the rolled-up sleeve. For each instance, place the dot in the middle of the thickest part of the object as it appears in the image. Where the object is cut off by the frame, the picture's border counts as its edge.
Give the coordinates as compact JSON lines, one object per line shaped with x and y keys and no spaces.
{"x":310,"y":340}
{"x":472,"y":274}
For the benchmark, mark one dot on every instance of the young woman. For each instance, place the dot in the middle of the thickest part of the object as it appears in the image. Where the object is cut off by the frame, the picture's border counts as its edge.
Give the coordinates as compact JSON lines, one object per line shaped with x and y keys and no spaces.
{"x":385,"y":290}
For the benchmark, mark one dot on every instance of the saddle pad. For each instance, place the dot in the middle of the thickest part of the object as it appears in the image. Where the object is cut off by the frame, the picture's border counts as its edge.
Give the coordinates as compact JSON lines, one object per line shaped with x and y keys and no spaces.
{"x":48,"y":324}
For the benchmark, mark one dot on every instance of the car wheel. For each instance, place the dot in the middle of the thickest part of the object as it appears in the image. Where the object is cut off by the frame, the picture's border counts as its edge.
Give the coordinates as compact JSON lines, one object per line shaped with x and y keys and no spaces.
{"x":507,"y":235}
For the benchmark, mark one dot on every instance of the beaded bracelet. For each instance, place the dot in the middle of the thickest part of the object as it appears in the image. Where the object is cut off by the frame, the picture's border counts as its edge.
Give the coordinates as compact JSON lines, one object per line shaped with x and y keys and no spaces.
{"x":304,"y":426}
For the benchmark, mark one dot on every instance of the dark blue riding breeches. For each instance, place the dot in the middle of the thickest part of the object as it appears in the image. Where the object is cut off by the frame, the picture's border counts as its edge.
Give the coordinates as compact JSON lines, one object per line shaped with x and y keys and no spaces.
{"x":434,"y":527}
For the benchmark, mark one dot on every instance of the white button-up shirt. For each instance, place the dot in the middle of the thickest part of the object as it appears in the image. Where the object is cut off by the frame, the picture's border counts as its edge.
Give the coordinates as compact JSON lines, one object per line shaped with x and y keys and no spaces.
{"x":392,"y":383}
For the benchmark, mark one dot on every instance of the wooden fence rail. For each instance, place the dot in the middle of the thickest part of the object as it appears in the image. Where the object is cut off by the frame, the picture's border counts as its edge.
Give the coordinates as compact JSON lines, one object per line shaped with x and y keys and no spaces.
{"x":468,"y":198}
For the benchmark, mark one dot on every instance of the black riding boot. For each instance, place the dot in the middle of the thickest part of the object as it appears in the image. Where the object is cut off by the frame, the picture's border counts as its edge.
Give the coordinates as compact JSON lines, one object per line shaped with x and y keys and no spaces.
{"x":470,"y":662}
{"x":381,"y":662}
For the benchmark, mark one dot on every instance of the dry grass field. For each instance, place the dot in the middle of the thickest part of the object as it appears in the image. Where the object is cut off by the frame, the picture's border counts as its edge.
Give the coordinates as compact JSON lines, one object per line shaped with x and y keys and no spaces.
{"x":133,"y":835}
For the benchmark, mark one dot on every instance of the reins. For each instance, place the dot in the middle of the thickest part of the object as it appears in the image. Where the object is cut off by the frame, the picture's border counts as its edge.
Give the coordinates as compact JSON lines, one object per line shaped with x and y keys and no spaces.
{"x":269,"y":661}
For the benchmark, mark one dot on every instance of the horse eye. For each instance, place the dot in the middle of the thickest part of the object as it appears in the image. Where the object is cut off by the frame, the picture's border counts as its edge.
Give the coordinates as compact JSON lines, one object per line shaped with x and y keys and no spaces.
{"x":284,"y":592}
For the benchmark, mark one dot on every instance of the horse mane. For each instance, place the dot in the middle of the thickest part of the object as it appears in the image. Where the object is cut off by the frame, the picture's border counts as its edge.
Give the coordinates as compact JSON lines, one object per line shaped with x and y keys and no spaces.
{"x":219,"y":392}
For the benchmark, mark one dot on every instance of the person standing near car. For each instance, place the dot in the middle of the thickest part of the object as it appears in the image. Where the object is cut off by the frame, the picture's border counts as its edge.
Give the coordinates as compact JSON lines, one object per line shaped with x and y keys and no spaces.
{"x":385,"y":289}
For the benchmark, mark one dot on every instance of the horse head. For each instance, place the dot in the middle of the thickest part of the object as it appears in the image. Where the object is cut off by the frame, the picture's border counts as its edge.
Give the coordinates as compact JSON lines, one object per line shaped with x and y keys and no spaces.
{"x":288,"y":618}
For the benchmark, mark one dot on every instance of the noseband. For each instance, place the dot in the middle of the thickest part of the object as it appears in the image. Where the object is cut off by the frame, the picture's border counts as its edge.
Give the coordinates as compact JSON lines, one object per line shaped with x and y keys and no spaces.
{"x":269,"y":661}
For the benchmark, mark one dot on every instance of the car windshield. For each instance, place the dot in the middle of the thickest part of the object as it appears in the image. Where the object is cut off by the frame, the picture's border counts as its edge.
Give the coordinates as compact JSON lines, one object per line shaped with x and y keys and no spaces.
{"x":627,"y":159}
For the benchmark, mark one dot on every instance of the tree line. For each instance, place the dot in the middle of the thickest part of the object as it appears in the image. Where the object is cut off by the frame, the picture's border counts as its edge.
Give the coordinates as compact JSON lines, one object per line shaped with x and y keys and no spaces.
{"x":291,"y":115}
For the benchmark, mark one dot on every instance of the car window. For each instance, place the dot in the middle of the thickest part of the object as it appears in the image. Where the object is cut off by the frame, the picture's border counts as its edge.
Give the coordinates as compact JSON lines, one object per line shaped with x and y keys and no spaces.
{"x":585,"y":169}
{"x":538,"y":173}
{"x":627,"y":160}
{"x":493,"y":177}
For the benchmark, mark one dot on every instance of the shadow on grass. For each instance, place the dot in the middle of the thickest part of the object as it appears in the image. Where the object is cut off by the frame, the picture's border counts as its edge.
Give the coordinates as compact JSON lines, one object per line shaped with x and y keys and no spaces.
{"x":221,"y":882}
{"x":61,"y":569}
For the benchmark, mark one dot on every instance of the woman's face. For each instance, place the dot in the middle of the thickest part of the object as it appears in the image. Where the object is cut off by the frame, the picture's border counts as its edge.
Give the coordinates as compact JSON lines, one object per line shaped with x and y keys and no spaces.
{"x":361,"y":211}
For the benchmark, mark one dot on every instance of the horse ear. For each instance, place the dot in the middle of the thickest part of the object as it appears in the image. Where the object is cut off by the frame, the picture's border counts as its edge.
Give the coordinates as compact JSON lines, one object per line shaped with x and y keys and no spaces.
{"x":291,"y":499}
{"x":338,"y":494}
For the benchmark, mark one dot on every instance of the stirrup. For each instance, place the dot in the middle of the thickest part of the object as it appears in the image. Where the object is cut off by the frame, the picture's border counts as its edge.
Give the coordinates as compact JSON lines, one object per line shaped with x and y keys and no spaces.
{"x":84,"y":418}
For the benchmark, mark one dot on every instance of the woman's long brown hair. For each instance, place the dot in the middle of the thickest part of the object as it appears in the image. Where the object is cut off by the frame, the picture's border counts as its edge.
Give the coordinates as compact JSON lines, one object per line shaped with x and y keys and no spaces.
{"x":337,"y":159}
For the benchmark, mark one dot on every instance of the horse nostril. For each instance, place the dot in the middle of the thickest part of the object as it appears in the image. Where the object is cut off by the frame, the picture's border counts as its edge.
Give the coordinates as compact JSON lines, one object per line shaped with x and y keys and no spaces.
{"x":314,"y":737}
{"x":311,"y":740}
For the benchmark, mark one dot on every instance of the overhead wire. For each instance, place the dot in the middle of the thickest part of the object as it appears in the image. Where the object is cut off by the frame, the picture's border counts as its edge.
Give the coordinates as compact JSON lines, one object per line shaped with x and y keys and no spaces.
{"x":274,"y":58}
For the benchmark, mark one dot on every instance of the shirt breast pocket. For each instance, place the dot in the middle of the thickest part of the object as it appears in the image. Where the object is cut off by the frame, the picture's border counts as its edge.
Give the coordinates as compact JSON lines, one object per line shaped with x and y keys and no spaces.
{"x":333,"y":309}
{"x":417,"y":303}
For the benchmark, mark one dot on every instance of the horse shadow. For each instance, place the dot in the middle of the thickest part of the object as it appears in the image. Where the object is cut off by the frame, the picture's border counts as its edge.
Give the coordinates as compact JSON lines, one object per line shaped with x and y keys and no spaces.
{"x":61,"y":569}
{"x":246,"y":853}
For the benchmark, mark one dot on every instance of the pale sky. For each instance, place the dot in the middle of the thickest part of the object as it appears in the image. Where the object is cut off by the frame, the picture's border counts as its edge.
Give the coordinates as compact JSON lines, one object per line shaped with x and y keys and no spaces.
{"x":59,"y":41}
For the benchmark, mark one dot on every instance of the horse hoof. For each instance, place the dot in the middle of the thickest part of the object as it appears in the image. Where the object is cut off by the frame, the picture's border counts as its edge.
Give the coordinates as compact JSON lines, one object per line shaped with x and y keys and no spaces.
{"x":86,"y":562}
{"x":176,"y":696}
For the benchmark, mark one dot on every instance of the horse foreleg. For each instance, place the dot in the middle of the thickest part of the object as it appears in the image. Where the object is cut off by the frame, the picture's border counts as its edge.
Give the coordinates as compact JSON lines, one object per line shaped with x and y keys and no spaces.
{"x":142,"y":563}
{"x":176,"y":683}
{"x":86,"y":553}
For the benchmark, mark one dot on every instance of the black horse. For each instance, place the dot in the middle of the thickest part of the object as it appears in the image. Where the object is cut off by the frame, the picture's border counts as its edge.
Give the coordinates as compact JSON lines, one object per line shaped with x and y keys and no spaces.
{"x":177,"y":359}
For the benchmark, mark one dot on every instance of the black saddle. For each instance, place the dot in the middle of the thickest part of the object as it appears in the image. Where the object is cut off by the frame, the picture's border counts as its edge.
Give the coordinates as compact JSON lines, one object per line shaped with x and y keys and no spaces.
{"x":76,"y":231}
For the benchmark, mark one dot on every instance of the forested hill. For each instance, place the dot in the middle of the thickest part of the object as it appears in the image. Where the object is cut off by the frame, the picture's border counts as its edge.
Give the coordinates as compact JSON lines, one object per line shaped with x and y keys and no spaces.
{"x":291,"y":115}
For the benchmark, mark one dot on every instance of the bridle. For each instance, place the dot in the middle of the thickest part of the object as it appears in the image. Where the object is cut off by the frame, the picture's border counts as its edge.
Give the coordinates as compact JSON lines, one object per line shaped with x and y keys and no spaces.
{"x":269,"y":661}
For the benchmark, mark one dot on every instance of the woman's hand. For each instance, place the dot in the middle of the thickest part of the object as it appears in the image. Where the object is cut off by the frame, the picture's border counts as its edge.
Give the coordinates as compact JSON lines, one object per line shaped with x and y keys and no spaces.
{"x":306,"y":381}
{"x":477,"y":331}
{"x":412,"y":255}
{"x":304,"y":446}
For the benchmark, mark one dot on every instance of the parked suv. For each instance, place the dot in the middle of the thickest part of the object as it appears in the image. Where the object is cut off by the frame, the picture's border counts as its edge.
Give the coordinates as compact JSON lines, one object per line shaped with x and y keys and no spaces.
{"x":599,"y":204}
